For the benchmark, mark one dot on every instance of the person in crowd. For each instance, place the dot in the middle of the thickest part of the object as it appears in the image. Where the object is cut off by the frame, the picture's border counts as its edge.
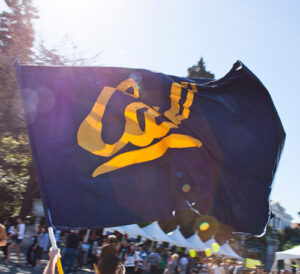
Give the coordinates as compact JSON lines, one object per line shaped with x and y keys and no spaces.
{"x":57,"y":236}
{"x":118,"y":247}
{"x":112,"y":240}
{"x":71,"y":250}
{"x":164,"y":259}
{"x":123,"y":249}
{"x":111,"y":264}
{"x":85,"y":248}
{"x":54,"y":253}
{"x":18,"y":236}
{"x":239,"y":268}
{"x":227,"y":264}
{"x":107,"y":249}
{"x":30,"y":252}
{"x":131,"y":259}
{"x":173,"y":265}
{"x":96,"y":250}
{"x":9,"y":234}
{"x":203,"y":266}
{"x":218,"y":268}
{"x":41,"y":246}
{"x":183,"y":264}
{"x":3,"y":237}
{"x":153,"y":261}
{"x":143,"y":258}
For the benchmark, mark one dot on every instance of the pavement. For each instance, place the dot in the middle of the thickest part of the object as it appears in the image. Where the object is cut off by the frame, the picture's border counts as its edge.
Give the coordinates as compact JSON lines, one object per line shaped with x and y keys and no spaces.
{"x":12,"y":267}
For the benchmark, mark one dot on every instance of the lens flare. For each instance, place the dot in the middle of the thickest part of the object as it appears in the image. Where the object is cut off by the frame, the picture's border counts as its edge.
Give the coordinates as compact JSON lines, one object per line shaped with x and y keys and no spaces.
{"x":186,"y":188}
{"x":204,"y":226}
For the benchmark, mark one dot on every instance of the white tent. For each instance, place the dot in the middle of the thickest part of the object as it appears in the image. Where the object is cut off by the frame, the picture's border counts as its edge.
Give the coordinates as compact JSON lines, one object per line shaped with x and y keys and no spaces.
{"x":177,"y":236}
{"x":109,"y":230}
{"x":287,"y":256}
{"x":211,"y":242}
{"x":134,"y":231}
{"x":226,"y":248}
{"x":196,"y":242}
{"x":293,"y":253}
{"x":157,"y":234}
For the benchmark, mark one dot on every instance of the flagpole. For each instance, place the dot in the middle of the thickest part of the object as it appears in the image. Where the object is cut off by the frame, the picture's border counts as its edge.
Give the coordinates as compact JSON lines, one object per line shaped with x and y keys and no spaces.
{"x":53,"y":244}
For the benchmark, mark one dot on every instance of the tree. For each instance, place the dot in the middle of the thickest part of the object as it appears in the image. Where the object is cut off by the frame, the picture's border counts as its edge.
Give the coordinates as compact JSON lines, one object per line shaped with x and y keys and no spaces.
{"x":18,"y":183}
{"x":199,"y":70}
{"x":16,"y":31}
{"x":16,"y":41}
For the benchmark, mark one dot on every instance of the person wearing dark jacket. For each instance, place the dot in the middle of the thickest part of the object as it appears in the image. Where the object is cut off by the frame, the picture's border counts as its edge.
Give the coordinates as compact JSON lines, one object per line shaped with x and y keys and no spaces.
{"x":71,"y":251}
{"x":30,"y":251}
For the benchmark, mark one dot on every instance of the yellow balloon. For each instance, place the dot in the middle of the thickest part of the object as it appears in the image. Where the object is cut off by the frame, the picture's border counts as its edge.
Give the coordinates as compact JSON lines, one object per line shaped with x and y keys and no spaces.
{"x":193,"y":253}
{"x":215,"y":247}
{"x":208,"y":252}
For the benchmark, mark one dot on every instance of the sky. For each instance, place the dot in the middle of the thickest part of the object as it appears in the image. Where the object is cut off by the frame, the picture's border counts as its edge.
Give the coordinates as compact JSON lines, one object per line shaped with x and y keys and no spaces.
{"x":171,"y":35}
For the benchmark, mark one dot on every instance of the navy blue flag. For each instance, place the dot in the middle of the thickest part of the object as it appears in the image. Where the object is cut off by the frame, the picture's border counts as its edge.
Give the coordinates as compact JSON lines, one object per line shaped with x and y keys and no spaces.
{"x":115,"y":146}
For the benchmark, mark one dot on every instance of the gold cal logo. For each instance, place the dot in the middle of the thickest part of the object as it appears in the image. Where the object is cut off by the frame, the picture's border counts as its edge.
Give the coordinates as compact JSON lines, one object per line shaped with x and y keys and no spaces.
{"x":89,"y":132}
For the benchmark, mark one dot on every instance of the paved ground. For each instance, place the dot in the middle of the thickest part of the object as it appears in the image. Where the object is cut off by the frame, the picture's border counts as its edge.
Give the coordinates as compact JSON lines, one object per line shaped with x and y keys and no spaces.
{"x":13,"y":268}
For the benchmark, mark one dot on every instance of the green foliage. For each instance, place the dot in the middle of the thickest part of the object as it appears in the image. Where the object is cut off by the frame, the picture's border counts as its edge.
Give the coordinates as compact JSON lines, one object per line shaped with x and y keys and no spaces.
{"x":18,"y":183}
{"x":14,"y":175}
{"x":288,"y":238}
{"x":16,"y":31}
{"x":200,"y":71}
{"x":16,"y":41}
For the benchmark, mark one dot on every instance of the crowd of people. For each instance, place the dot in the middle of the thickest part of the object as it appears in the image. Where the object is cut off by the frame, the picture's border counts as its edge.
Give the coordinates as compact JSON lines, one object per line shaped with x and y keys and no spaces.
{"x":114,"y":253}
{"x":134,"y":257}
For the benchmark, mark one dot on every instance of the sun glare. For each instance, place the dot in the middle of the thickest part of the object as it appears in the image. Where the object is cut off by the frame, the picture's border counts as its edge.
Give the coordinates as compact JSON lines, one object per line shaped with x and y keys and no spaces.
{"x":78,"y":19}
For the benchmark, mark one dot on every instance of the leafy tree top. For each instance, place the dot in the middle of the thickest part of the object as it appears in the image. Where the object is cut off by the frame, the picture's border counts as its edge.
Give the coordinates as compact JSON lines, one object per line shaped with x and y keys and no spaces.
{"x":200,"y":71}
{"x":16,"y":31}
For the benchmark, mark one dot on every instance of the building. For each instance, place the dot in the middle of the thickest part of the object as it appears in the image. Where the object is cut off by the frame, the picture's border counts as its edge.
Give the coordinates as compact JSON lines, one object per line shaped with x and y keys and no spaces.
{"x":280,"y":219}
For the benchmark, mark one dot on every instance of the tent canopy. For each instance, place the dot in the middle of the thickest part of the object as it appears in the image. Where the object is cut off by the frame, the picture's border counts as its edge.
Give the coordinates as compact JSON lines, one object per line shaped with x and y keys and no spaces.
{"x":226,"y":248}
{"x":177,"y":236}
{"x":196,"y":242}
{"x":134,"y":231}
{"x":108,"y":230}
{"x":157,"y":234}
{"x":211,"y":242}
{"x":293,"y":253}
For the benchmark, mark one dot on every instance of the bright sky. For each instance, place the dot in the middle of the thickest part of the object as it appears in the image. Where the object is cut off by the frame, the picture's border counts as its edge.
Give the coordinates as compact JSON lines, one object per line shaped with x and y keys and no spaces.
{"x":171,"y":35}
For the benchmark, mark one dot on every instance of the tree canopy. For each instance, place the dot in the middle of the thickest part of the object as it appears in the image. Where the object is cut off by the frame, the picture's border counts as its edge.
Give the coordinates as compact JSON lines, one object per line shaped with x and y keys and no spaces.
{"x":200,"y":71}
{"x":18,"y":183}
{"x":16,"y":41}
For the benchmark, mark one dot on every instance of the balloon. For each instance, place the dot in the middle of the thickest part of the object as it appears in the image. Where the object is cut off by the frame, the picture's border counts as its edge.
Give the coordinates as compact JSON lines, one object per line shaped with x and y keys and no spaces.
{"x":208,"y":252}
{"x":215,"y":247}
{"x":193,"y":253}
